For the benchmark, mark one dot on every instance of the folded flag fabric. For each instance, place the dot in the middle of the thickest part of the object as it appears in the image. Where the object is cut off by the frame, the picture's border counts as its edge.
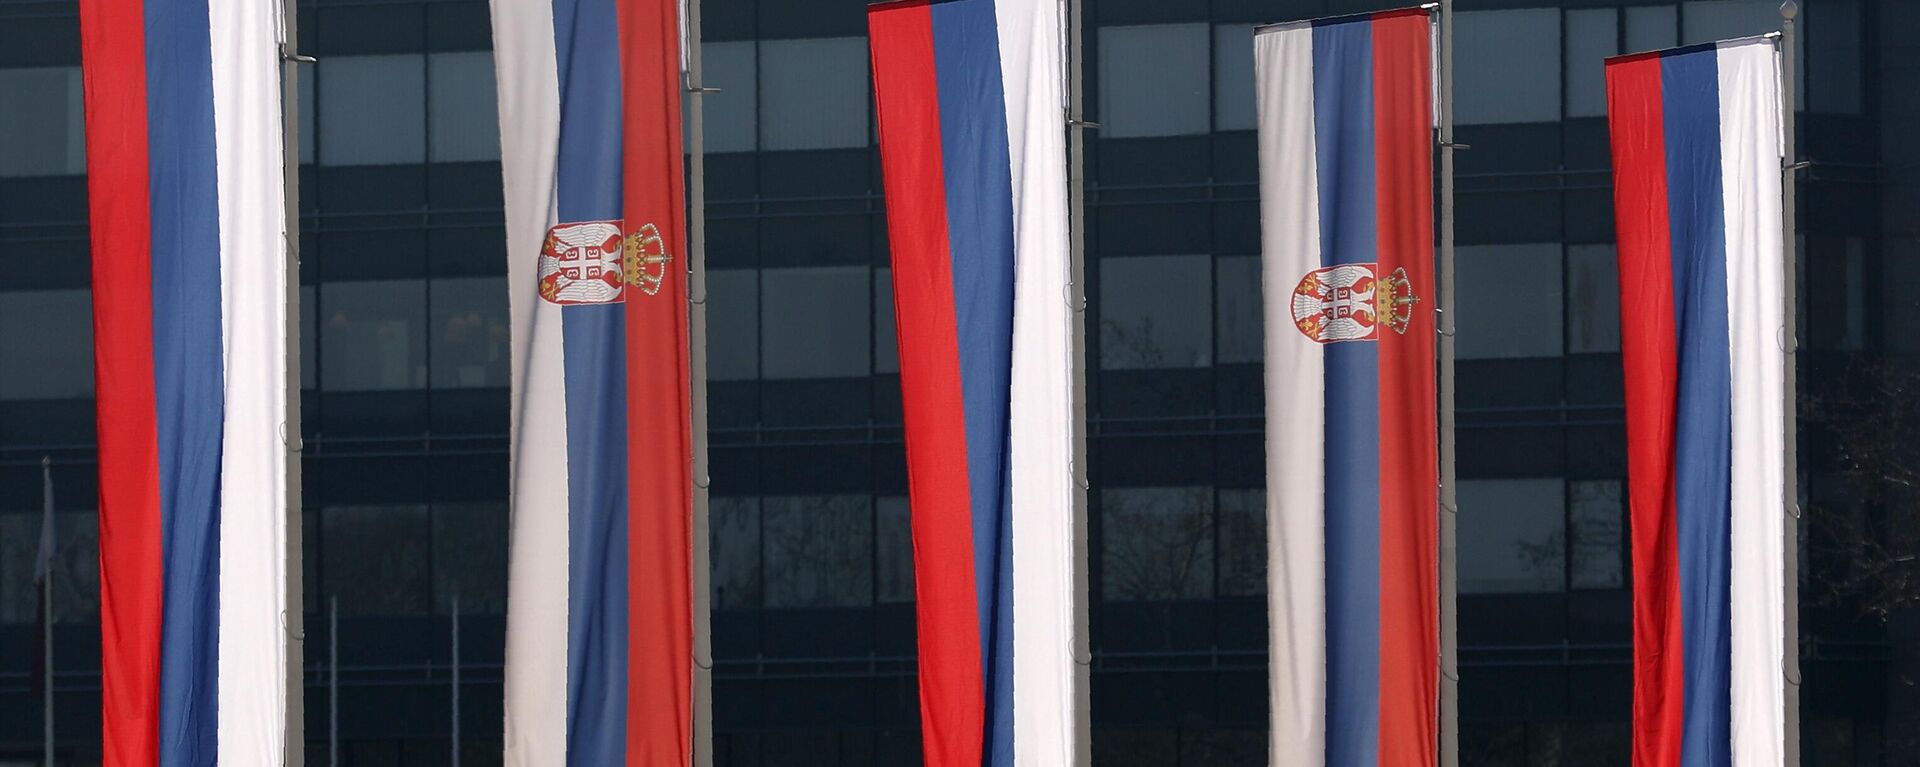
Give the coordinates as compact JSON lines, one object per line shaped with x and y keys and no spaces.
{"x":185,"y":182}
{"x":972,"y":144}
{"x":1697,"y":206}
{"x":1345,"y":113}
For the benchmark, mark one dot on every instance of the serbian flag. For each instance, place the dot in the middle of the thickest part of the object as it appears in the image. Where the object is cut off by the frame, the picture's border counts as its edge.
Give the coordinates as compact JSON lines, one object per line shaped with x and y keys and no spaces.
{"x":1697,"y":206}
{"x":599,"y":660}
{"x":185,"y":186}
{"x":1346,"y":194}
{"x":972,"y":145}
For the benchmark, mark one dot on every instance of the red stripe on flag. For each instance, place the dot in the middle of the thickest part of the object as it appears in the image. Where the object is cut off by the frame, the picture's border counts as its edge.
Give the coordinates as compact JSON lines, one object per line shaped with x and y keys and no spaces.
{"x":659,"y":448}
{"x":1409,"y":474}
{"x":113,"y":50}
{"x":952,"y":697}
{"x":1637,"y":124}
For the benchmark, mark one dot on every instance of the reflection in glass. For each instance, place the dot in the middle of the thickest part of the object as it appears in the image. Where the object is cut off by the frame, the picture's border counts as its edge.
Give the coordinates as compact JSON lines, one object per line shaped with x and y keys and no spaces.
{"x":1156,"y":543}
{"x":819,"y":551}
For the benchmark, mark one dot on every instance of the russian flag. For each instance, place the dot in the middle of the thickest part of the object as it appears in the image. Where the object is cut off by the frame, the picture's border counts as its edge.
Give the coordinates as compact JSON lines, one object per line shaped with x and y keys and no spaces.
{"x":190,"y":301}
{"x":1697,"y":205}
{"x":972,"y":143}
{"x":1346,"y":194}
{"x":599,"y":657}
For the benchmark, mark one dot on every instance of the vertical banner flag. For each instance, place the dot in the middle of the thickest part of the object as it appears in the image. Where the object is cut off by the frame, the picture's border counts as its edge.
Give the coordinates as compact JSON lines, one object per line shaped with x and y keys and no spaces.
{"x":973,"y":147}
{"x":1697,"y":206}
{"x":1346,"y":209}
{"x":185,"y":184}
{"x":599,"y":618}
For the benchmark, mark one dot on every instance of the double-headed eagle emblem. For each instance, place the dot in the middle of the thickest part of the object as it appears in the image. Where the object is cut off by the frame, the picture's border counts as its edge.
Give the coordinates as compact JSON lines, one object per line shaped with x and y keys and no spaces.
{"x":1348,"y":302}
{"x":595,"y":262}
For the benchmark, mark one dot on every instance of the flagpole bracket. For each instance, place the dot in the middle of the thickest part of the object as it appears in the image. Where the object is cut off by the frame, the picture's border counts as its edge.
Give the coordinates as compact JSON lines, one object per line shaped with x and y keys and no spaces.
{"x":287,"y":53}
{"x":1454,"y":145}
{"x":1083,"y":124}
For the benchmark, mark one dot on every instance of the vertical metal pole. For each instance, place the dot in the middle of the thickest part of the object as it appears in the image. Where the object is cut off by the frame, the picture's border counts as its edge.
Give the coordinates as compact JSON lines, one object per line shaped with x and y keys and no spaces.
{"x":1449,"y":500}
{"x":46,"y":610}
{"x":1790,"y":249}
{"x":697,"y":375}
{"x":333,"y":681}
{"x":295,"y":613}
{"x":456,"y":680}
{"x":1077,"y":353}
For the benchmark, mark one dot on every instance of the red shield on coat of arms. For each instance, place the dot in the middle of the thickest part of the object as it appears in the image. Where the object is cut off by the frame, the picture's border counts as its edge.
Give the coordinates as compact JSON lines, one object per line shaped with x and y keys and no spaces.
{"x":1348,"y":302}
{"x":594,"y":262}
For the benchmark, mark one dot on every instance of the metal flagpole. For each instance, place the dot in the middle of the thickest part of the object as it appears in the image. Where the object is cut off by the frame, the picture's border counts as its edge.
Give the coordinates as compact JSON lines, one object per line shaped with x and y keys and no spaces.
{"x":1077,"y":126}
{"x":697,"y":375}
{"x":46,"y":605}
{"x":294,"y":617}
{"x":456,"y":680}
{"x":1790,"y":167}
{"x":1449,"y":500}
{"x":333,"y":681}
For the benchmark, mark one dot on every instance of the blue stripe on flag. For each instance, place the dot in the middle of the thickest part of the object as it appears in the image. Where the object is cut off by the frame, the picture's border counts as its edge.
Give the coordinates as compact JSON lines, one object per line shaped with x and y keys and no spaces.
{"x":188,"y":397}
{"x":1343,"y":138}
{"x":973,"y":136}
{"x":1703,"y":434}
{"x":587,"y":49}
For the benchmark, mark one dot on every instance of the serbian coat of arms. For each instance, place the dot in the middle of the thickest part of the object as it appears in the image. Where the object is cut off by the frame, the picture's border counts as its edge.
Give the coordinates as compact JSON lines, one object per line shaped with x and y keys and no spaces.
{"x":596,"y":262}
{"x":1349,"y":302}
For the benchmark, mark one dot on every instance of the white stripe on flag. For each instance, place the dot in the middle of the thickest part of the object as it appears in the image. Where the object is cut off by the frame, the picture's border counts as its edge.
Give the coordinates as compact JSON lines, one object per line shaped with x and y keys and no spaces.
{"x":1041,"y":409}
{"x":254,"y":312}
{"x":536,"y":654}
{"x":1295,"y":374}
{"x":1750,"y":189}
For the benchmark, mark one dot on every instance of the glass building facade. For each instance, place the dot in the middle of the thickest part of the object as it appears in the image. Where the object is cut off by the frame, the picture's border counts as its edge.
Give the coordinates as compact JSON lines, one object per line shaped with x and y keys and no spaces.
{"x":405,"y":371}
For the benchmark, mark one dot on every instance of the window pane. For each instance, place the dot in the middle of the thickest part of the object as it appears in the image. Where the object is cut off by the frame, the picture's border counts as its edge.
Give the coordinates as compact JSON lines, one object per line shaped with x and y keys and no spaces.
{"x":1508,"y":66}
{"x":469,"y":333}
{"x":730,"y":113}
{"x":470,"y":558}
{"x":1652,"y":27}
{"x":1156,"y":543}
{"x":372,"y":110}
{"x":466,"y":121}
{"x":55,"y":361}
{"x":1512,"y":536}
{"x":1510,"y":301}
{"x":886,"y":338}
{"x":1592,"y":36}
{"x":734,"y":526}
{"x":814,"y":322}
{"x":814,"y":93}
{"x":1154,"y":312}
{"x":372,"y":335}
{"x":894,"y":546}
{"x":1238,"y":311}
{"x":733,"y":324}
{"x":305,"y":82}
{"x":1243,"y":543}
{"x":1835,"y":29}
{"x":42,"y":130}
{"x":1233,"y":77}
{"x":1598,"y":516}
{"x":819,"y":551}
{"x":1593,"y":299}
{"x":1153,"y":80}
{"x":375,"y":559}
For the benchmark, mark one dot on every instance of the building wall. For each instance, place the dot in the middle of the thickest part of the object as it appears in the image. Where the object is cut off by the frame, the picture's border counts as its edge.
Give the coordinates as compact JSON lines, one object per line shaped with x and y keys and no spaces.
{"x":404,"y":373}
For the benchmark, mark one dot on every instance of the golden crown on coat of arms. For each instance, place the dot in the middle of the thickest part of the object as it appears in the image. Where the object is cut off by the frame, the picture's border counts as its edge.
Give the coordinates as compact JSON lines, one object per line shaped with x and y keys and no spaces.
{"x":645,"y":264}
